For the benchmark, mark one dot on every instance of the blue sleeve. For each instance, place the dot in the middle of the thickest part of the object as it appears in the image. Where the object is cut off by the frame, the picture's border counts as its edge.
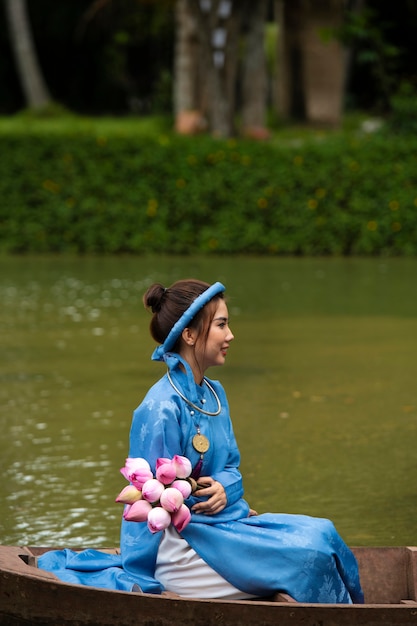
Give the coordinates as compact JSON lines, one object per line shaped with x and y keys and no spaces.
{"x":229,"y":475}
{"x":155,"y":430}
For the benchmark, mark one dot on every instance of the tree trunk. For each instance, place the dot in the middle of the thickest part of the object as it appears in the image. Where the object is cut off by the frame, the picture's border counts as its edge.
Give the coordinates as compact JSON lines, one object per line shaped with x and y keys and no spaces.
{"x":219,"y":27}
{"x":187,"y":100}
{"x":254,"y":89}
{"x":312,"y":63}
{"x":33,"y":85}
{"x":289,"y":89}
{"x":324,"y":63}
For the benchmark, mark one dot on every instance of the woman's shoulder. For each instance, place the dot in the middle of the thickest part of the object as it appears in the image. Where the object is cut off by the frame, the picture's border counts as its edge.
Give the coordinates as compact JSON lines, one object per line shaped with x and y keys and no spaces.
{"x":160,"y":391}
{"x":216,"y":384}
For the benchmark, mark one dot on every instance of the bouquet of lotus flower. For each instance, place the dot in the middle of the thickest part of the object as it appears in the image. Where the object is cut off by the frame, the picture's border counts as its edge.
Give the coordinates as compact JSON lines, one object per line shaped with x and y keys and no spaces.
{"x":157,"y":500}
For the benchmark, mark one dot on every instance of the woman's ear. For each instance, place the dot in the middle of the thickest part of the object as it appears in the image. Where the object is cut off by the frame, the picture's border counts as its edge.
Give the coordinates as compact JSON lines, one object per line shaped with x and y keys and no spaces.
{"x":189,"y":336}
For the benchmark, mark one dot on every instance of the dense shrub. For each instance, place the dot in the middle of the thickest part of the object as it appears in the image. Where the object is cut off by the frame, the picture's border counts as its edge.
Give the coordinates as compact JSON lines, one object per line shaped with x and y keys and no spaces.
{"x":88,"y":193}
{"x":403,"y":116}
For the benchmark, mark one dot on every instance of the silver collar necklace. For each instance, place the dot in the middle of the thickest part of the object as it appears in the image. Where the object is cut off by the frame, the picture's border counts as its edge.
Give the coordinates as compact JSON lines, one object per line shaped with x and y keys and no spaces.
{"x":197,"y":408}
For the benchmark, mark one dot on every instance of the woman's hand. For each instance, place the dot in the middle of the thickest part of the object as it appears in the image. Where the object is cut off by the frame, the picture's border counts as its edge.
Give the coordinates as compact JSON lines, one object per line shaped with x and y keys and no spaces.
{"x":215,"y":493}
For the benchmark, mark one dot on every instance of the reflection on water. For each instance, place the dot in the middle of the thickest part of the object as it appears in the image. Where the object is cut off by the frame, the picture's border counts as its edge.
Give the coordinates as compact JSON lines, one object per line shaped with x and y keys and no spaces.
{"x":320,"y":379}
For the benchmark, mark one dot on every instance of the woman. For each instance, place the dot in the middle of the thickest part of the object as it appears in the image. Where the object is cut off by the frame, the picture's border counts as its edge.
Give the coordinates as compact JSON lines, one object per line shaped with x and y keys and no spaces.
{"x":226,"y":550}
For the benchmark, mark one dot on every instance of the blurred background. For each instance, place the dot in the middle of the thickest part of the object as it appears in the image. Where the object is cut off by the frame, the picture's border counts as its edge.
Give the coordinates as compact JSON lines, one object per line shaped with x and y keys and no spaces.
{"x":270,"y":145}
{"x":302,"y":60}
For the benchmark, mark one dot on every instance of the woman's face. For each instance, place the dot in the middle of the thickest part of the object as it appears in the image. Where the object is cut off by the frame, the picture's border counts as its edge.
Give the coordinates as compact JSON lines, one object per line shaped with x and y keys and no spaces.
{"x":214,"y":350}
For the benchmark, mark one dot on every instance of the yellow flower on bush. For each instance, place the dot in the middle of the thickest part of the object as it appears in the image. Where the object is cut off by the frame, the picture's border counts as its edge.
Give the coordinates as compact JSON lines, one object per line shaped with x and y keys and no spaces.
{"x":312,"y":204}
{"x":49,"y":185}
{"x":152,"y":207}
{"x":262,"y":203}
{"x":394,"y":205}
{"x":213,"y":244}
{"x":372,"y":225}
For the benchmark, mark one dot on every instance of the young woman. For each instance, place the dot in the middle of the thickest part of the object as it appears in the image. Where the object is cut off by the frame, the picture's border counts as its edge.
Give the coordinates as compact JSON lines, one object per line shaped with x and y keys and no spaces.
{"x":226,"y":550}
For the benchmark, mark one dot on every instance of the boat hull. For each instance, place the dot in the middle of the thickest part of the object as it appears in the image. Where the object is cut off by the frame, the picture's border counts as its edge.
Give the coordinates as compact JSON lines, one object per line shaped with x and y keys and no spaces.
{"x":31,"y":596}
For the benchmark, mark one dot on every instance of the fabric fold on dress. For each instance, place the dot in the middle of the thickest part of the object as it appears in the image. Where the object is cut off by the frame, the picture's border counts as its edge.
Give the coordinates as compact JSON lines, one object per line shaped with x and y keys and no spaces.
{"x":94,"y":569}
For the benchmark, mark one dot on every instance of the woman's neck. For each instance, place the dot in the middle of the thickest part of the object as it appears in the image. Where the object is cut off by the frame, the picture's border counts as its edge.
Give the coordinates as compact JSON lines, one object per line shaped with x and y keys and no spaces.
{"x":197,"y":372}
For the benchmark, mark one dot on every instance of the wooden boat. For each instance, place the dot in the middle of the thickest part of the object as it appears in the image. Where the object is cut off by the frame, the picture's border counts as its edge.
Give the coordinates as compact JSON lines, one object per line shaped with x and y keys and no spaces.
{"x":31,"y":596}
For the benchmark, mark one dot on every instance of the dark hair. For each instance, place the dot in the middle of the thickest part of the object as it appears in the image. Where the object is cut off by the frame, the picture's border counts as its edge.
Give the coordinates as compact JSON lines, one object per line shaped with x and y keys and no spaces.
{"x":168,"y":305}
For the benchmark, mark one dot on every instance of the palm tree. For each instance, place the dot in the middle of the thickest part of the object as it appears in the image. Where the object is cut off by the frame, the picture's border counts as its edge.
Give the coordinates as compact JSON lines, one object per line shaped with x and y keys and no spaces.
{"x":34,"y":87}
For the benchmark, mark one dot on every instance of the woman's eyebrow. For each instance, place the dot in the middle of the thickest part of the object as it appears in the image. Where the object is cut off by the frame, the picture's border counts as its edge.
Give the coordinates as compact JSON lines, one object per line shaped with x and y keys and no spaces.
{"x":218,"y":319}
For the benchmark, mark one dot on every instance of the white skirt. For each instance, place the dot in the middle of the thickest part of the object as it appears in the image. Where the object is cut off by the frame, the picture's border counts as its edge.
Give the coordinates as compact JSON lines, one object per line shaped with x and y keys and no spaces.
{"x":182,"y":571}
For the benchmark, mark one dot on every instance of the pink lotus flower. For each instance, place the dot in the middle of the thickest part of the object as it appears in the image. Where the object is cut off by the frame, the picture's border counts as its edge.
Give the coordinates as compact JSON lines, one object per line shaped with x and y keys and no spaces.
{"x":171,"y":499}
{"x":165,"y":471}
{"x":183,"y":486}
{"x":137,"y":471}
{"x":181,"y":518}
{"x":182,"y":466}
{"x":138,"y":511}
{"x":159,"y":500}
{"x":158,"y":519}
{"x":129,"y":495}
{"x":152,"y":490}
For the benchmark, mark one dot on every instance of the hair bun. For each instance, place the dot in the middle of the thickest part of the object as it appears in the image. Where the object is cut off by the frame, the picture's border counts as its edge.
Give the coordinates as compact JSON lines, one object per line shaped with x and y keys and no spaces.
{"x":153,"y":297}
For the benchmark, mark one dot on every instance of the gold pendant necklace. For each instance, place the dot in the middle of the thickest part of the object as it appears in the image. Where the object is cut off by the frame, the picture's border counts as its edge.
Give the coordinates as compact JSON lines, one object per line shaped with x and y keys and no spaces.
{"x":200,"y":442}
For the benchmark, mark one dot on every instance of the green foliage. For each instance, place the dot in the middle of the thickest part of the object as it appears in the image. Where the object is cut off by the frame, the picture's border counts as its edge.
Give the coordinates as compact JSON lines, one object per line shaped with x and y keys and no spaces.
{"x":49,"y":111}
{"x":93,"y":189}
{"x":365,"y":33}
{"x":403,"y":117}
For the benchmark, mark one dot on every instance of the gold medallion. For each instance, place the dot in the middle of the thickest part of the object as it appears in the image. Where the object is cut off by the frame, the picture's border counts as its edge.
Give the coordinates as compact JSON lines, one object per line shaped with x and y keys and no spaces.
{"x":201,"y":443}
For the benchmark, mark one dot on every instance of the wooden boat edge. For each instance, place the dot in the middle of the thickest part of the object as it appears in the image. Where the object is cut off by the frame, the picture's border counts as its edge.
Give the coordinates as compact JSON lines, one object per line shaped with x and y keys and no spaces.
{"x":29,"y":583}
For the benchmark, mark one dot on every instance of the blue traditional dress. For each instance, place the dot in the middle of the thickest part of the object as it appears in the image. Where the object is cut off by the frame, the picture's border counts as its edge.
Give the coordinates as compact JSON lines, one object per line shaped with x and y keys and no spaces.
{"x":258,"y":555}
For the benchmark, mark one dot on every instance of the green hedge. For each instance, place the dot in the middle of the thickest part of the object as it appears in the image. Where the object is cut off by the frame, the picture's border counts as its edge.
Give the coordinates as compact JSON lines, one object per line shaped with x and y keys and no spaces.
{"x":85,"y":193}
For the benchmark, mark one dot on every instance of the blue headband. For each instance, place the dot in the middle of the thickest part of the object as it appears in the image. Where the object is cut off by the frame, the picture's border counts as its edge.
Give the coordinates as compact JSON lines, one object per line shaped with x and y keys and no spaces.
{"x":185,"y":319}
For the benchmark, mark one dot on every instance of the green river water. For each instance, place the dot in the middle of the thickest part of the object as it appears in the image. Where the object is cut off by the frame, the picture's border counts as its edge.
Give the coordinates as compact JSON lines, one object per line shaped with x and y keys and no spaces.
{"x":321,"y":380}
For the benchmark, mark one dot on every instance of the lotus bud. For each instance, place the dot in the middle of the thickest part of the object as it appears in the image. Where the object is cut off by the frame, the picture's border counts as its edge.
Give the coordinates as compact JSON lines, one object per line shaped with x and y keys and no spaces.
{"x":165,"y":471}
{"x":158,"y":519}
{"x":152,"y":490}
{"x":181,"y":518}
{"x":182,"y":466}
{"x":129,"y":495}
{"x":162,"y":460}
{"x":183,"y":486}
{"x":138,"y":511}
{"x":171,"y":499}
{"x":137,"y":471}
